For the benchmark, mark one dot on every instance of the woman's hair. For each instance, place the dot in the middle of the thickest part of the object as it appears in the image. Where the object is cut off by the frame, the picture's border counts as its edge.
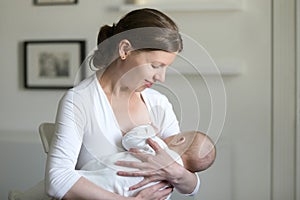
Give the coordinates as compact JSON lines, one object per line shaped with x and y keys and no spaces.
{"x":146,"y":30}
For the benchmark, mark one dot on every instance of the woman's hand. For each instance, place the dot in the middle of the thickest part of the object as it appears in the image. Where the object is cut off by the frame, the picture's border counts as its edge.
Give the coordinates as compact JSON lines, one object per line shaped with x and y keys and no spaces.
{"x":159,"y":191}
{"x":153,"y":168}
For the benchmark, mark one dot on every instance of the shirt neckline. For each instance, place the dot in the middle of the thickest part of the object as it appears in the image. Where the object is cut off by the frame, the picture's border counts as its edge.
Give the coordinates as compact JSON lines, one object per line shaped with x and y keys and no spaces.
{"x":100,"y":89}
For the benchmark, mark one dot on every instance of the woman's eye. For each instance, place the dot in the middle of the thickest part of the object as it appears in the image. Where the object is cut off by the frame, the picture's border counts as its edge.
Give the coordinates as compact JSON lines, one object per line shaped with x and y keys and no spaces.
{"x":155,"y":66}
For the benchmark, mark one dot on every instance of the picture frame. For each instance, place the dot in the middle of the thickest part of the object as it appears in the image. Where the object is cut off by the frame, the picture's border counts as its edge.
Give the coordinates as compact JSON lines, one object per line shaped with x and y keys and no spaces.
{"x":53,"y":64}
{"x":54,"y":2}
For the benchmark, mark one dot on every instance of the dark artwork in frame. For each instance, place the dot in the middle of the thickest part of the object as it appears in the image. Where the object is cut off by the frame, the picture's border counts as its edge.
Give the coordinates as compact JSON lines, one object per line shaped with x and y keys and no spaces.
{"x":53,"y":64}
{"x":54,"y":2}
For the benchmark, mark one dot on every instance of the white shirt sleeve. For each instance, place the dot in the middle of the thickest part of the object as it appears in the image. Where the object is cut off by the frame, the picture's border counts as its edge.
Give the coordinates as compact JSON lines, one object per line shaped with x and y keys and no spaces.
{"x":169,"y":124}
{"x":161,"y":110}
{"x":65,"y":147}
{"x":196,"y":188}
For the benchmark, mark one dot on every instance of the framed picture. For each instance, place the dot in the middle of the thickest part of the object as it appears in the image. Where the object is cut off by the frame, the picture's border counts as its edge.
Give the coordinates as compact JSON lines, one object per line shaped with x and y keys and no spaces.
{"x":53,"y":64}
{"x":54,"y":2}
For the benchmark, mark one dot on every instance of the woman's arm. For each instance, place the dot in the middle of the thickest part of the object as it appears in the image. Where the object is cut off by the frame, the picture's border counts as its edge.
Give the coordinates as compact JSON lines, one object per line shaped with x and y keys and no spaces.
{"x":65,"y":146}
{"x":182,"y":179}
{"x":160,"y":167}
{"x":62,"y":180}
{"x":84,"y":189}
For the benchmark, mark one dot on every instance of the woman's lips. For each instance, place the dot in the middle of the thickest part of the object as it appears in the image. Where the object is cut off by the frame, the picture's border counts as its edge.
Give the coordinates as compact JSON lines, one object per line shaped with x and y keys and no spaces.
{"x":148,"y":84}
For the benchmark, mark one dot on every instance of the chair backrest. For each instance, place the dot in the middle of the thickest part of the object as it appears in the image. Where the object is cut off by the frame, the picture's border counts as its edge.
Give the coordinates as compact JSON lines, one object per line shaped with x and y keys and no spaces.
{"x":46,"y":131}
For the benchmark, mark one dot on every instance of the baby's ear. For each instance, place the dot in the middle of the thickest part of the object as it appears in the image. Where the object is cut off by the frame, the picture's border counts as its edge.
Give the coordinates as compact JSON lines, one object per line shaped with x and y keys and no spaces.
{"x":179,"y":140}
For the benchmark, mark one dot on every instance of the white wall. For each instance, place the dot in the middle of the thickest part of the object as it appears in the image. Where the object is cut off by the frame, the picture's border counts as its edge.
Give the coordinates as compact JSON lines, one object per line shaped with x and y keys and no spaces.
{"x":243,"y":166}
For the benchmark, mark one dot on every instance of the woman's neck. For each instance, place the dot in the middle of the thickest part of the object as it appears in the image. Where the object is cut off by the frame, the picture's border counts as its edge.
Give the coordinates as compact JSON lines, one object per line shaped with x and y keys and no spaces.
{"x":110,"y":82}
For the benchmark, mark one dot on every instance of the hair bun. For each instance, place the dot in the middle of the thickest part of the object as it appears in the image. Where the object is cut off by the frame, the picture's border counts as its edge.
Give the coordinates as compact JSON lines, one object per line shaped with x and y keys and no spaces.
{"x":105,"y":32}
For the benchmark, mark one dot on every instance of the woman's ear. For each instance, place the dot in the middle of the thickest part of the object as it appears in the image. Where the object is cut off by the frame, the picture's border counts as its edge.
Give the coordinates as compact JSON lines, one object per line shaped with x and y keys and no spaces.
{"x":124,"y":49}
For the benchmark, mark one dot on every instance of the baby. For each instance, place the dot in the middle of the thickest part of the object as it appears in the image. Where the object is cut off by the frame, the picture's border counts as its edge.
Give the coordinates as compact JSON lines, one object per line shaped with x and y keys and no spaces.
{"x":194,"y":150}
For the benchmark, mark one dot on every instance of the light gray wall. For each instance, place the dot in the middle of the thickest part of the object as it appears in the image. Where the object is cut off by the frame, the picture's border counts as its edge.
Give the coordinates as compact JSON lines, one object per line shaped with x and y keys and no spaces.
{"x":240,"y":39}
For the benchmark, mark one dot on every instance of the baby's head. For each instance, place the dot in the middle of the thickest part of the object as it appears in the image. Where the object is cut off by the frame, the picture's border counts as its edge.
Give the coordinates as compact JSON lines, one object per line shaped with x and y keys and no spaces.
{"x":195,"y":148}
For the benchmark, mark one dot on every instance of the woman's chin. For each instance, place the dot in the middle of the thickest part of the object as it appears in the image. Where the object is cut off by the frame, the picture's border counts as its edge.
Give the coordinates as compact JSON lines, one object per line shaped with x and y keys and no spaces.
{"x":140,"y":89}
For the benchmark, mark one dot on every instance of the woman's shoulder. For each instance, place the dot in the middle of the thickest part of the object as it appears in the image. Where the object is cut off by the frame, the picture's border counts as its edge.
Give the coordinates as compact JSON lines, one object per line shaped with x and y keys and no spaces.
{"x":82,"y":90}
{"x":84,"y":85}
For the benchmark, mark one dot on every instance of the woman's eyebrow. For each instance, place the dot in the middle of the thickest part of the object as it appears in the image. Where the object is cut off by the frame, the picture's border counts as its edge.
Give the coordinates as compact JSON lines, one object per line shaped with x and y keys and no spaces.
{"x":159,"y":63}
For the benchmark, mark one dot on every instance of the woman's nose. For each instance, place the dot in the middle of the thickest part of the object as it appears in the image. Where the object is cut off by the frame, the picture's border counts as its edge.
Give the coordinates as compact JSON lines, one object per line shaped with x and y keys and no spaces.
{"x":161,"y":75}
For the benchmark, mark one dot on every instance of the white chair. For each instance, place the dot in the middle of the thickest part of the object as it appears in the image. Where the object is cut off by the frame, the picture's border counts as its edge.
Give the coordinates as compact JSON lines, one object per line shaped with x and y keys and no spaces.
{"x":46,"y":131}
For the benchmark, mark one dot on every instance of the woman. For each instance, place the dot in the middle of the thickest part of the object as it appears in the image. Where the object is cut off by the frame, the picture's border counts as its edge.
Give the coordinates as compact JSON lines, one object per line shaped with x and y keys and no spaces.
{"x":92,"y":117}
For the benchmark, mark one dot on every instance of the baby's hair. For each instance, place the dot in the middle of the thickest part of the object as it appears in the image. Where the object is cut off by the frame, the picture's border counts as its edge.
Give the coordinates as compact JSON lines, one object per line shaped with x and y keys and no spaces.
{"x":201,"y":154}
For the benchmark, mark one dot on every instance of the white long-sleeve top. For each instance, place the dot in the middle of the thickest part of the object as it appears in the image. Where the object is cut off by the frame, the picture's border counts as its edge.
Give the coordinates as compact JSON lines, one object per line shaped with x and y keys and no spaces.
{"x":86,"y":128}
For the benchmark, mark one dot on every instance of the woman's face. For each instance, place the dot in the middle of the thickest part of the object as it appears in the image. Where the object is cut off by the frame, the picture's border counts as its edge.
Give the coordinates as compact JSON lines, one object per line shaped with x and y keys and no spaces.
{"x":143,"y":68}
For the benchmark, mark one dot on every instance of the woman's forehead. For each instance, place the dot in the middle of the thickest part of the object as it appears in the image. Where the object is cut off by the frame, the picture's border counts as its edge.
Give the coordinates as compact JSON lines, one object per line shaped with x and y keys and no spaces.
{"x":162,"y":57}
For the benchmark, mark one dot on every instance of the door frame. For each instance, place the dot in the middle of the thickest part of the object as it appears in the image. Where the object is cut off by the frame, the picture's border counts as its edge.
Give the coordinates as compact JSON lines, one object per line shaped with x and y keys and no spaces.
{"x":285,"y":101}
{"x":297,"y":184}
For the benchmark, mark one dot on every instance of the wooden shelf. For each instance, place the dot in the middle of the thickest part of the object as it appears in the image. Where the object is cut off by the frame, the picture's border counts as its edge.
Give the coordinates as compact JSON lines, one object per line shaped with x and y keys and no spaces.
{"x":208,"y":71}
{"x":188,"y":7}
